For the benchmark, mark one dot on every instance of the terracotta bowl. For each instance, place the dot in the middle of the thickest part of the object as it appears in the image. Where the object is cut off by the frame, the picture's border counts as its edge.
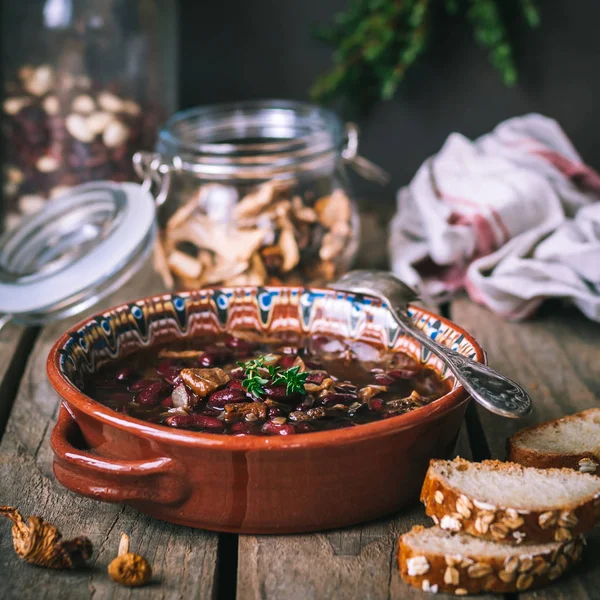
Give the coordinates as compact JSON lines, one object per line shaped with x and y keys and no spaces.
{"x":249,"y":484}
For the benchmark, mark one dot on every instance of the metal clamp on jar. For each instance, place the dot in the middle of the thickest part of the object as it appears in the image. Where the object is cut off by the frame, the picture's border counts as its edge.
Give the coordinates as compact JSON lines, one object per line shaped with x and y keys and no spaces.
{"x":254,"y":193}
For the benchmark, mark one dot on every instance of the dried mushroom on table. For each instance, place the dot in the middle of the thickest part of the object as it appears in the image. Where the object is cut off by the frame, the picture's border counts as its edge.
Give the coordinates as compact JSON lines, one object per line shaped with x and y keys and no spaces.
{"x":128,"y":568}
{"x":40,"y":543}
{"x":271,"y":235}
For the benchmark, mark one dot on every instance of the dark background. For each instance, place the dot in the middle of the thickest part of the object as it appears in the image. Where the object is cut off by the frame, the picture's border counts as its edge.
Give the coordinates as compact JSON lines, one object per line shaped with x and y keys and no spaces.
{"x":263,"y":48}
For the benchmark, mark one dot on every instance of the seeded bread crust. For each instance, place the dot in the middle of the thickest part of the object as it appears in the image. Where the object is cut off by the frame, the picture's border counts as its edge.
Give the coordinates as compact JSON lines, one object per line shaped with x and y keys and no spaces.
{"x":586,"y":462}
{"x":454,"y":511}
{"x":474,"y":574}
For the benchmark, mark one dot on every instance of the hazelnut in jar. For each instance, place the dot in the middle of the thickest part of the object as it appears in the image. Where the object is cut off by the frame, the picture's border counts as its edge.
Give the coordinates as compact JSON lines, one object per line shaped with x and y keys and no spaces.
{"x":87,"y":84}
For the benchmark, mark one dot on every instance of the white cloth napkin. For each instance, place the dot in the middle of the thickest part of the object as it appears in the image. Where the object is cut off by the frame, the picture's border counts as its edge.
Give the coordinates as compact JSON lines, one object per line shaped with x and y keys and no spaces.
{"x":513,"y":217}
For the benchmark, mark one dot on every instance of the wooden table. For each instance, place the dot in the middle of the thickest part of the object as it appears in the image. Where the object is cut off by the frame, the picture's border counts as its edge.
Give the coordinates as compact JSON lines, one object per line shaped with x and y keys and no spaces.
{"x":556,"y":356}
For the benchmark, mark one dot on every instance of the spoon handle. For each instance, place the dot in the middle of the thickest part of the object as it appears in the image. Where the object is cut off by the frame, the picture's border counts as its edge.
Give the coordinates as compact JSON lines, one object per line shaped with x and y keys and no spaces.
{"x":497,"y":393}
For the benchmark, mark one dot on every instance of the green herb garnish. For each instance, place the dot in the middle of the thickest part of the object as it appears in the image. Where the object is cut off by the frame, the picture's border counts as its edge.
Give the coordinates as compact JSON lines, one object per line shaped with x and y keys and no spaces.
{"x":254,"y":382}
{"x":252,"y":365}
{"x":293,"y":379}
{"x":254,"y":385}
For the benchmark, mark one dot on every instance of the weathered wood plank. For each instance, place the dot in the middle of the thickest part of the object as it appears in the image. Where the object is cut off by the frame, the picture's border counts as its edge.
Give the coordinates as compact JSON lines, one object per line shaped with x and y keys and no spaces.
{"x":556,"y":357}
{"x":184,"y":560}
{"x":372,"y":251}
{"x":15,"y":344}
{"x":356,"y":562}
{"x":10,"y":336}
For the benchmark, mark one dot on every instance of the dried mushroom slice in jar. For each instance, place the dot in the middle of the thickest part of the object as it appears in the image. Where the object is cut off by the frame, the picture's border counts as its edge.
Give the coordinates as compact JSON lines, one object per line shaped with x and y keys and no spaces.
{"x":264,"y":177}
{"x":245,"y":383}
{"x":270,"y":235}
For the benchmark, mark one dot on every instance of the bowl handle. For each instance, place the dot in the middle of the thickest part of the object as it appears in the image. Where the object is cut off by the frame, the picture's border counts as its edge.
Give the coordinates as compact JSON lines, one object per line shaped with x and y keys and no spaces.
{"x":159,"y":481}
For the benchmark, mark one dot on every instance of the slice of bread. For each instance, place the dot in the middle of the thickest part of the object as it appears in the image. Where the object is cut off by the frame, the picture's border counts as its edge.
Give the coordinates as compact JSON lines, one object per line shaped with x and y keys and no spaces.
{"x":435,"y":560}
{"x":507,"y":502}
{"x":572,"y":441}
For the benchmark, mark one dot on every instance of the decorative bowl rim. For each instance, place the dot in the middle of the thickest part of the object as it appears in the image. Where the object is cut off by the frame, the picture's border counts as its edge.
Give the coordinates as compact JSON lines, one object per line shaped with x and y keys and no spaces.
{"x":71,"y":395}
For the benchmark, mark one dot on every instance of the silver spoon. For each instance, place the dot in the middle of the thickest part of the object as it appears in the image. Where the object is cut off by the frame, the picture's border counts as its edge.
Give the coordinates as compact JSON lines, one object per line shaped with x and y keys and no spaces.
{"x":497,"y":393}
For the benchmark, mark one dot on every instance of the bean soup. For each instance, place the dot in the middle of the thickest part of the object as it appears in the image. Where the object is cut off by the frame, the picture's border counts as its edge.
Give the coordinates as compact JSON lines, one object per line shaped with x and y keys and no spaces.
{"x":248,"y":384}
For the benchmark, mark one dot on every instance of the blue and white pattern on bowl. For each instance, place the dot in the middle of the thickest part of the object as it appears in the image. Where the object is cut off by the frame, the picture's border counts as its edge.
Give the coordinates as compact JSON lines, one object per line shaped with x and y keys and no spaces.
{"x":130,"y":327}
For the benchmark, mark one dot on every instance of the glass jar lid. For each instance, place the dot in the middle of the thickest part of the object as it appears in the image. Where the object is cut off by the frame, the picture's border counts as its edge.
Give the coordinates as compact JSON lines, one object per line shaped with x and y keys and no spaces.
{"x":255,"y":140}
{"x":79,"y":248}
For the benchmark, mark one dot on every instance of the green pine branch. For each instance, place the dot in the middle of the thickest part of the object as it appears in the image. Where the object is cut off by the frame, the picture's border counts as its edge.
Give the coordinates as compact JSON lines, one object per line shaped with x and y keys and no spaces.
{"x":377,"y":41}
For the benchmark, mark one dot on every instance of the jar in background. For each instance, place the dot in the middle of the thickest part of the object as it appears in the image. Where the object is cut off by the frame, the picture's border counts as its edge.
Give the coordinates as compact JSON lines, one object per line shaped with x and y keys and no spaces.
{"x":86,"y":84}
{"x":252,"y":193}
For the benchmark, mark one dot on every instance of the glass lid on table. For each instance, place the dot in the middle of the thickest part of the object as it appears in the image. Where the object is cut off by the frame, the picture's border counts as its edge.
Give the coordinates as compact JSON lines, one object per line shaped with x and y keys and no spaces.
{"x":75,"y":251}
{"x":254,"y":193}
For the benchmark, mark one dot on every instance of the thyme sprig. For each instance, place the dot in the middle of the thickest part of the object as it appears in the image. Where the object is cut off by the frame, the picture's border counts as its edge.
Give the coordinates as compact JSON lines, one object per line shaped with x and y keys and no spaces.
{"x":294,"y":380}
{"x":254,"y":380}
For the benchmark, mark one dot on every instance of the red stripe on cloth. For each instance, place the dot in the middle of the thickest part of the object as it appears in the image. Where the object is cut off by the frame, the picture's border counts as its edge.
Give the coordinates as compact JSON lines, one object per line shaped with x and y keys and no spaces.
{"x":578,"y":172}
{"x":471,"y":203}
{"x":485,"y":242}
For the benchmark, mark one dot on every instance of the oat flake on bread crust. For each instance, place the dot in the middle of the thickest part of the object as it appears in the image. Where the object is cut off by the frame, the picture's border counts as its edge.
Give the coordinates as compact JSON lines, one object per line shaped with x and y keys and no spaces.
{"x":436,"y":560}
{"x":509,"y":503}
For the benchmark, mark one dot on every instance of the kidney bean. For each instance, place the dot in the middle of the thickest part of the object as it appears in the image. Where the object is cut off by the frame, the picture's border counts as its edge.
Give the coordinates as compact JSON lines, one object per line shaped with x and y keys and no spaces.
{"x":222,"y":397}
{"x":245,"y":428}
{"x":211,"y":412}
{"x":153,"y":394}
{"x":213,"y":356}
{"x":279,"y":392}
{"x":304,"y":428}
{"x":331,"y":399}
{"x":180,"y":421}
{"x":376,"y":404}
{"x":403,"y":373}
{"x":241,"y":347}
{"x":287,"y":361}
{"x":384,"y":379}
{"x":237,"y":373}
{"x":209,"y":423}
{"x":139,"y":385}
{"x":169,"y":372}
{"x":236,"y":384}
{"x":317,"y":378}
{"x":167,"y":402}
{"x":271,"y":428}
{"x":275,"y":412}
{"x":125,"y":374}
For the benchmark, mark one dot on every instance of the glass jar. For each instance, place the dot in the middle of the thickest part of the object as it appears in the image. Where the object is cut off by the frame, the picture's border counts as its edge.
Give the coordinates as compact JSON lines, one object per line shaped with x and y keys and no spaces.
{"x":87,"y":83}
{"x":252,"y":193}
